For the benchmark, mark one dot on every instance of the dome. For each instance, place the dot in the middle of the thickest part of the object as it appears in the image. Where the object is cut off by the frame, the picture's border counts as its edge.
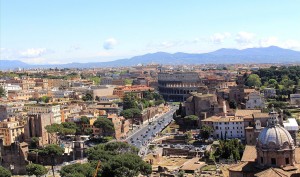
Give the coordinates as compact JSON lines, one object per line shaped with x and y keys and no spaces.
{"x":275,"y":137}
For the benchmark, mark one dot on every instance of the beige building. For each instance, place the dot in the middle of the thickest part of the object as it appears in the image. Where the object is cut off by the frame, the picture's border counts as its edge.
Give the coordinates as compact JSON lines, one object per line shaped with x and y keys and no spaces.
{"x":12,"y":131}
{"x":58,"y":83}
{"x":45,"y":108}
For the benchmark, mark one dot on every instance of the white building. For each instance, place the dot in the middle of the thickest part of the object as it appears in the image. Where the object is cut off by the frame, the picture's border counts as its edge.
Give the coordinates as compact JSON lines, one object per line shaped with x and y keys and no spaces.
{"x":295,"y":99}
{"x":10,"y":87}
{"x":255,"y":100}
{"x":226,"y":126}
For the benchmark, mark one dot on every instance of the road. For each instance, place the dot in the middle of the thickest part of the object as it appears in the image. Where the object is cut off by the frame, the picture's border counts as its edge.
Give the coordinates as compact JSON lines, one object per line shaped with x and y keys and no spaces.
{"x":144,"y":135}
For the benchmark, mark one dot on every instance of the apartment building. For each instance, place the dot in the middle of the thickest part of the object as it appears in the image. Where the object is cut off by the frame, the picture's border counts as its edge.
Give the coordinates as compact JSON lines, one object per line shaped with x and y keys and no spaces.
{"x":45,"y":108}
{"x":226,"y":126}
{"x":11,"y":131}
{"x":10,"y":109}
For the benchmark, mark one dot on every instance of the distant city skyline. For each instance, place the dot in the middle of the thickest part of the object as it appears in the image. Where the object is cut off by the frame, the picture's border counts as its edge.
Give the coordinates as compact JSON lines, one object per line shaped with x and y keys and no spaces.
{"x":50,"y":32}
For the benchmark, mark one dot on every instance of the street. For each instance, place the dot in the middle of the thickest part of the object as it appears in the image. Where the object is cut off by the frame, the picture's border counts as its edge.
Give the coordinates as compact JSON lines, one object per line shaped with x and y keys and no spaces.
{"x":145,"y":134}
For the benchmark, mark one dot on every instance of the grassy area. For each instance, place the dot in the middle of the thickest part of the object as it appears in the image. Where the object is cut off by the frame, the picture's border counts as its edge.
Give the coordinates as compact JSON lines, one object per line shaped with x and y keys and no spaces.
{"x":170,"y":128}
{"x":209,"y":168}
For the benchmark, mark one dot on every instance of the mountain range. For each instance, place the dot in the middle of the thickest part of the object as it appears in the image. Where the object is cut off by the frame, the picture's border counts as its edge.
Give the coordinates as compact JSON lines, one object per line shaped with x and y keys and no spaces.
{"x":270,"y":54}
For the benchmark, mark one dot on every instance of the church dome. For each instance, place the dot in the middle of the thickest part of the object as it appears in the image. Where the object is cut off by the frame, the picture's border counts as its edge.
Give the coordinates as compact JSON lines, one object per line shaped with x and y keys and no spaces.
{"x":275,"y":137}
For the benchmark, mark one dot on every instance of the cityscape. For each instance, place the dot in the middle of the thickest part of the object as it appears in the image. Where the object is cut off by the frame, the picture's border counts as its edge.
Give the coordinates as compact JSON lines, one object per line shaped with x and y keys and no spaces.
{"x":149,"y":88}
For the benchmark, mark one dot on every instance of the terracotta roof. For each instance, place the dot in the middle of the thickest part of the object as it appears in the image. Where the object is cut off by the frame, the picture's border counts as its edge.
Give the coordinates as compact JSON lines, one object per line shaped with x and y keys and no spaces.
{"x":246,"y":112}
{"x":249,"y":154}
{"x":297,"y":155}
{"x":244,"y":167}
{"x":274,"y":172}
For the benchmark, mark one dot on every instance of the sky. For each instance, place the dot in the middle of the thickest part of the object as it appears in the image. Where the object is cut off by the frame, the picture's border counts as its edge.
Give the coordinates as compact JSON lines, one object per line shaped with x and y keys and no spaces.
{"x":64,"y":31}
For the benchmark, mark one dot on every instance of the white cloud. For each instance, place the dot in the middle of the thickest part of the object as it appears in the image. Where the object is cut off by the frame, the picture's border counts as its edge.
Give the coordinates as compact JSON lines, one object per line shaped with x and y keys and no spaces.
{"x":291,"y":44}
{"x":110,"y":43}
{"x":32,"y":53}
{"x":266,"y":42}
{"x":36,"y":60}
{"x":245,"y":38}
{"x":219,"y":38}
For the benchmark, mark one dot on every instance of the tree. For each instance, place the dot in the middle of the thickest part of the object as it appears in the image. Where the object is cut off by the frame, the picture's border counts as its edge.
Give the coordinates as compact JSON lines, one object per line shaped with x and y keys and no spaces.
{"x":206,"y":131}
{"x":4,"y":172}
{"x":253,"y":80}
{"x":87,"y":97}
{"x":2,"y":92}
{"x":158,"y":102}
{"x":130,"y":113}
{"x":84,"y":170}
{"x":36,"y":169}
{"x":180,"y":173}
{"x":45,"y":99}
{"x":84,"y":120}
{"x":130,"y":101}
{"x":105,"y":124}
{"x":232,"y":104}
{"x":190,"y":120}
{"x":118,"y":159}
{"x":34,"y":142}
{"x":52,"y":149}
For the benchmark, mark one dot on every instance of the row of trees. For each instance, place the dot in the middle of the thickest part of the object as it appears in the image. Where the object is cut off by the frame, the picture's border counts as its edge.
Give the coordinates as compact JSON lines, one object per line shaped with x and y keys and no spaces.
{"x":71,"y":128}
{"x":117,"y":159}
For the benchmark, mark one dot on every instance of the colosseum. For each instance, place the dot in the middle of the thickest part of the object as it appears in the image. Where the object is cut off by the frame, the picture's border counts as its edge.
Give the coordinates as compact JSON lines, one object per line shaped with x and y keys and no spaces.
{"x":176,"y":86}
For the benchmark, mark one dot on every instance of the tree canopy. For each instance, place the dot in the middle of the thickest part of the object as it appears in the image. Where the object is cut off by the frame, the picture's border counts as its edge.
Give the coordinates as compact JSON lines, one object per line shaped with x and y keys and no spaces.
{"x":65,"y":128}
{"x":130,"y":113}
{"x":36,"y":169}
{"x":206,"y":131}
{"x":4,"y":172}
{"x":51,"y":149}
{"x":105,"y":124}
{"x":253,"y":80}
{"x":2,"y":92}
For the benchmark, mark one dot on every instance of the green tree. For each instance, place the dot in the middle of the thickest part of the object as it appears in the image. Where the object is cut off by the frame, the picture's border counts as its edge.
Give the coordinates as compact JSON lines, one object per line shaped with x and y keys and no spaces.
{"x":232,"y":104}
{"x":36,"y":169}
{"x":34,"y":142}
{"x":158,"y":102}
{"x":118,"y":159}
{"x":45,"y":99}
{"x":130,"y":101}
{"x":52,"y":149}
{"x":190,"y":120}
{"x":2,"y":92}
{"x":206,"y":131}
{"x":4,"y":172}
{"x":105,"y":124}
{"x":84,"y":120}
{"x":180,"y":173}
{"x":128,"y":81}
{"x":78,"y":170}
{"x":253,"y":80}
{"x":87,"y":97}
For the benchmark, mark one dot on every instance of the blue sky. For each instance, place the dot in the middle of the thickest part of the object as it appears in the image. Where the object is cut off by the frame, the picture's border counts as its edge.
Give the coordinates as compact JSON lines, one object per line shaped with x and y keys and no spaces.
{"x":57,"y":31}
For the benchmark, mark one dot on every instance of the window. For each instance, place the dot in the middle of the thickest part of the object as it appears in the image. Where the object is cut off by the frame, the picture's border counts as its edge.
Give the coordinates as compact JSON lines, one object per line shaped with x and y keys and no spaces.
{"x":273,"y":161}
{"x":261,"y":160}
{"x":287,"y":161}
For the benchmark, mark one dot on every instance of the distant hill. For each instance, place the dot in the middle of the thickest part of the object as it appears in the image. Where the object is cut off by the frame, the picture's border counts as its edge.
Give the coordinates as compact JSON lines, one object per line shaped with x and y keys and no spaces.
{"x":271,"y":54}
{"x":11,"y":64}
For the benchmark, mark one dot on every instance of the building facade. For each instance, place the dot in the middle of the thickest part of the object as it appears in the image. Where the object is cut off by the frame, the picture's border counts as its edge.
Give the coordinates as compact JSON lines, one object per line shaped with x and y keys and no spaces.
{"x":176,"y":86}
